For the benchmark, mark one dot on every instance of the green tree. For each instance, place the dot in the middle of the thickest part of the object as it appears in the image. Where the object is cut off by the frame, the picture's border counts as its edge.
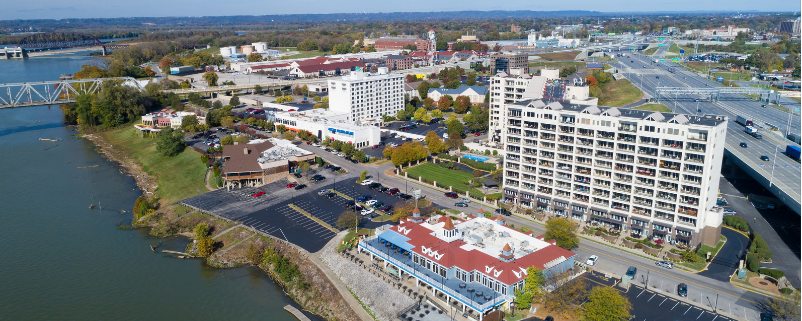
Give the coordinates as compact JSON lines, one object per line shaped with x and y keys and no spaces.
{"x":257,"y":89}
{"x":423,"y":89}
{"x":606,"y":304}
{"x":205,"y":246}
{"x":188,"y":121}
{"x":243,"y":139}
{"x":348,"y":149}
{"x":141,"y":207}
{"x":170,"y":143}
{"x":471,"y":81}
{"x":228,"y":140}
{"x":254,"y":57}
{"x":532,"y":289}
{"x":360,"y":156}
{"x":211,"y":78}
{"x":200,"y":230}
{"x":419,"y":113}
{"x":453,"y":84}
{"x":363,"y":176}
{"x":462,"y":104}
{"x":562,"y":230}
{"x":305,"y":90}
{"x":234,"y":101}
{"x":437,"y":114}
{"x":427,"y":118}
{"x":347,"y":220}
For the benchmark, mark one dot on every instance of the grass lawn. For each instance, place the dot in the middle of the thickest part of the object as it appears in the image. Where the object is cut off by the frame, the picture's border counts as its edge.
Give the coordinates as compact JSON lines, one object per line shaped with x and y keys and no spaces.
{"x":382,"y":218}
{"x":305,"y":54}
{"x":619,"y":93}
{"x":674,"y":48}
{"x":557,"y":64}
{"x":702,"y":66}
{"x":654,"y":107}
{"x":732,"y":76}
{"x":447,"y":177}
{"x":650,"y":51}
{"x":350,"y":236}
{"x":211,"y":50}
{"x":698,"y":266}
{"x":179,"y":177}
{"x":569,"y":55}
{"x":745,"y":283}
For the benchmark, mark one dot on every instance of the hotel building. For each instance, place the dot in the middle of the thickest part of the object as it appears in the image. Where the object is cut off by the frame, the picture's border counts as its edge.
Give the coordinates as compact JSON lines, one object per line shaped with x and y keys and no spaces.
{"x":367,"y":97}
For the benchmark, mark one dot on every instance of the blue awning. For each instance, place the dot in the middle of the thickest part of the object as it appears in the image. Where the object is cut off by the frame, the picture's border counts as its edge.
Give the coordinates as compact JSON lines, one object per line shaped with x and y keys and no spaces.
{"x":397,"y":239}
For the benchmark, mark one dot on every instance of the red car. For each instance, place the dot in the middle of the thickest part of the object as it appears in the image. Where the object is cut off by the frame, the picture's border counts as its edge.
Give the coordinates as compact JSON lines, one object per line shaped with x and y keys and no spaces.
{"x":451,"y":195}
{"x":259,"y":193}
{"x":291,"y":185}
{"x":291,"y":110}
{"x":477,"y":134}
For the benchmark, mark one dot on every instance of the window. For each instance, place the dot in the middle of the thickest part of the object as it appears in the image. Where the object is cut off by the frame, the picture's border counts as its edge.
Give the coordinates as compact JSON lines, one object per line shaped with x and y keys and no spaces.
{"x":672,"y":131}
{"x":649,"y":128}
{"x":607,"y":123}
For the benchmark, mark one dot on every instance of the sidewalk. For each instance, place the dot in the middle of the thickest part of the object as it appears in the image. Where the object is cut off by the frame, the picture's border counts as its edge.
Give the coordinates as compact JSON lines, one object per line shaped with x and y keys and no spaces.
{"x":341,"y":287}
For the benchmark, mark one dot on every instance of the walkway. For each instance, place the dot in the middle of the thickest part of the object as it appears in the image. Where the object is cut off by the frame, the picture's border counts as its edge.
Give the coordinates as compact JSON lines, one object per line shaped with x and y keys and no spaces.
{"x":341,"y":287}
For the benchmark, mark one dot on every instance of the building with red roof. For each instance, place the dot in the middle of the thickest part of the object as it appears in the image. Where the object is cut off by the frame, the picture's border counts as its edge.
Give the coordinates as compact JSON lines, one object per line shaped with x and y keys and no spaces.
{"x":479,"y":262}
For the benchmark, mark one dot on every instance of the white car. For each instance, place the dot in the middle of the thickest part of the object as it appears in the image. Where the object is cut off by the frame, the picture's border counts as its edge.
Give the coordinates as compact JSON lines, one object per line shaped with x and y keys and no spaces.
{"x":370,"y":202}
{"x":592,"y":260}
{"x":334,"y":152}
{"x":341,"y":154}
{"x":366,"y":182}
{"x":367,"y":211}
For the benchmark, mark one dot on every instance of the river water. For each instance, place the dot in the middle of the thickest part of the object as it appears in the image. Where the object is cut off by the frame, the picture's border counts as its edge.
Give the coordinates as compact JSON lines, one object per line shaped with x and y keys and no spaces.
{"x":59,"y":260}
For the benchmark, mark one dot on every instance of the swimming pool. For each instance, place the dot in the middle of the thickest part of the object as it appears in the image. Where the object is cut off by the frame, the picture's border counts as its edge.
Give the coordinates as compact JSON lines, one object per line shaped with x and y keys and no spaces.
{"x":476,"y":158}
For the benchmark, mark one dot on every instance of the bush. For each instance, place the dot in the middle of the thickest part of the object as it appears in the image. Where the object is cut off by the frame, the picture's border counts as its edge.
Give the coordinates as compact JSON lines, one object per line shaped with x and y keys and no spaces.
{"x":775,"y":274}
{"x":786,"y":291}
{"x":736,"y":222}
{"x":479,"y":165}
{"x":752,"y":262}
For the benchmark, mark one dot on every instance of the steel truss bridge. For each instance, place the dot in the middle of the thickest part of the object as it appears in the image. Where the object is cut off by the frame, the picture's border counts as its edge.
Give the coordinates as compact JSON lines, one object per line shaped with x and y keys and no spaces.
{"x":52,"y":92}
{"x":715,"y":93}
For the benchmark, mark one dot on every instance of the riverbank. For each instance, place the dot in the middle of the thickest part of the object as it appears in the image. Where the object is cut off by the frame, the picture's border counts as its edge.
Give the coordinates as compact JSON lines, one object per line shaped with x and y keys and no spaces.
{"x":234,"y":245}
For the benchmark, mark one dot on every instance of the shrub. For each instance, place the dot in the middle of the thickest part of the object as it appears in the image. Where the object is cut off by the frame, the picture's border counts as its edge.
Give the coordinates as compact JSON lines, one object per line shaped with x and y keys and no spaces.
{"x":775,"y":274}
{"x":463,"y":148}
{"x":752,"y":262}
{"x":763,"y":254}
{"x":638,"y":245}
{"x":736,"y":222}
{"x":786,"y":291}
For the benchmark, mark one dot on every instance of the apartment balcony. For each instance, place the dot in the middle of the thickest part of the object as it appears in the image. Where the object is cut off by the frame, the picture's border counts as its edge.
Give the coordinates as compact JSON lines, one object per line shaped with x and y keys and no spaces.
{"x":628,"y":128}
{"x":688,"y":211}
{"x":699,"y":160}
{"x":668,"y":187}
{"x":667,"y":207}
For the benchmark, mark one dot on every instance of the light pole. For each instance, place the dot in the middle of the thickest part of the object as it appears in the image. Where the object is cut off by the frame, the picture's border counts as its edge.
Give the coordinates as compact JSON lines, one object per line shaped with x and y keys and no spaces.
{"x":773,"y":165}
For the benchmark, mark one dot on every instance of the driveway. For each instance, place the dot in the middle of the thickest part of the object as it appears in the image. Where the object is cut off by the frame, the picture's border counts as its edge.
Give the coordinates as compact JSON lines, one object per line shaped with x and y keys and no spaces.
{"x":726,"y":262}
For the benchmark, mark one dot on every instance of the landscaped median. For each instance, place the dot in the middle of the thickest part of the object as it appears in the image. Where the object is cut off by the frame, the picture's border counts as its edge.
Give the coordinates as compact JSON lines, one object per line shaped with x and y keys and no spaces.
{"x":299,"y":210}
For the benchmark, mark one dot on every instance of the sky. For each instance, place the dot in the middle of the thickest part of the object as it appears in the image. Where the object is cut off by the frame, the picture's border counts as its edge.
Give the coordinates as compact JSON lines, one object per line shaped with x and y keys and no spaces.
{"x":53,"y":9}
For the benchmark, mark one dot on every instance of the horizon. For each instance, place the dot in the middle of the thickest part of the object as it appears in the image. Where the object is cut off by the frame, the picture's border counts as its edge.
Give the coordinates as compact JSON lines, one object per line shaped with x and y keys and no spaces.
{"x":18,"y":12}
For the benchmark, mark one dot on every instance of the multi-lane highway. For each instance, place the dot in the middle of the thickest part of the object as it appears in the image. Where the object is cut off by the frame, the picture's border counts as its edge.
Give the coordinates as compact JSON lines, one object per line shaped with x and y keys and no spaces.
{"x":781,"y":174}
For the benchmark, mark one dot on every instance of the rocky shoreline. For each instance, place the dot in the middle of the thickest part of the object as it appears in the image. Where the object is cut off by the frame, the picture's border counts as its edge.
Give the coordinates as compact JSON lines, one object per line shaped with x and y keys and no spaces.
{"x":320,"y":297}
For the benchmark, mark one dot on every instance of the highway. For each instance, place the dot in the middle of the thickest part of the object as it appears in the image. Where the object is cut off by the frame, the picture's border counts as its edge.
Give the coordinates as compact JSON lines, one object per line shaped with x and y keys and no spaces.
{"x":644,"y":73}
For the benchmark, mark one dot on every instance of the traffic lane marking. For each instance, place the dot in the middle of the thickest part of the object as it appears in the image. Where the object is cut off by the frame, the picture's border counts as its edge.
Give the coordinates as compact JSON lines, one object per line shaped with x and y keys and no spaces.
{"x":671,"y":276}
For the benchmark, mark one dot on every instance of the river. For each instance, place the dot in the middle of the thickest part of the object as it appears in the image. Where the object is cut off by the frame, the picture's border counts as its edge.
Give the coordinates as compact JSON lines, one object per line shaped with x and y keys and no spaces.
{"x":59,"y":260}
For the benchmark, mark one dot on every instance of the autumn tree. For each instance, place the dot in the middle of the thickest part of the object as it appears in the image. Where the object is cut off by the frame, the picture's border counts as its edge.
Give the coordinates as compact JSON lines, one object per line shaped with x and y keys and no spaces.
{"x":471,"y":81}
{"x":254,"y":57}
{"x":419,"y":113}
{"x":423,"y":88}
{"x":444,"y":103}
{"x":388,"y":152}
{"x":567,"y":293}
{"x":211,"y":78}
{"x":606,"y":304}
{"x":149,"y":72}
{"x":205,"y":246}
{"x":166,"y":62}
{"x":410,"y":78}
{"x":436,"y":114}
{"x":347,"y":220}
{"x":402,"y":210}
{"x":428,"y":103}
{"x":562,"y":230}
{"x":784,"y":307}
{"x":532,"y":289}
{"x":462,"y":104}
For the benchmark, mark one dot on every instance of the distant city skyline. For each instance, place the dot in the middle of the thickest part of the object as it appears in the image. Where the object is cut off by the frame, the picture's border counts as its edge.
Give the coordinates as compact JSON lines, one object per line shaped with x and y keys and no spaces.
{"x":49,"y":9}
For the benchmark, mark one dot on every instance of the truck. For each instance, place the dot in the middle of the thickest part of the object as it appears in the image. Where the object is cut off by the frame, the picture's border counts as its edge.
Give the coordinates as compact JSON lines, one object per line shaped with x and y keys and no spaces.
{"x":743,"y":121}
{"x":792,"y":151}
{"x":753,"y":131}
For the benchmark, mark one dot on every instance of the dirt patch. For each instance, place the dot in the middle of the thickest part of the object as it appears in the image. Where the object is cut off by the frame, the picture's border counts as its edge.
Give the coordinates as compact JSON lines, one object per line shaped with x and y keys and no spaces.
{"x":764,"y":285}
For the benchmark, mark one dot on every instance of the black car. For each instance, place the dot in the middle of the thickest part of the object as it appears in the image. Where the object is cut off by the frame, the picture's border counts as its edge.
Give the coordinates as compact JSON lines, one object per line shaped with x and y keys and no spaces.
{"x":404,"y":196}
{"x":300,"y":186}
{"x":350,"y":203}
{"x":297,"y":175}
{"x":383,"y":189}
{"x":631,"y":271}
{"x":378,"y":204}
{"x":374,"y":185}
{"x":327,"y":166}
{"x":682,"y":290}
{"x":330,"y":194}
{"x":503,"y":211}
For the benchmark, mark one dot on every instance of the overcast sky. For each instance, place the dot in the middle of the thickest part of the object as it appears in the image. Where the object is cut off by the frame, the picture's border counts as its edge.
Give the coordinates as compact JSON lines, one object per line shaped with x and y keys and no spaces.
{"x":52,"y":9}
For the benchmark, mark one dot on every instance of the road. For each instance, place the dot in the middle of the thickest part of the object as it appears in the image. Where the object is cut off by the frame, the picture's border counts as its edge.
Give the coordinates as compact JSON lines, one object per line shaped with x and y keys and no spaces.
{"x":644,"y":74}
{"x":705,"y":285}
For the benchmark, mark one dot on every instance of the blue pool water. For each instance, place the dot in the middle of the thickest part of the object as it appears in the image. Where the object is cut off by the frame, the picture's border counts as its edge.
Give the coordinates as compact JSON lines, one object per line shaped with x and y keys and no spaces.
{"x":476,"y":158}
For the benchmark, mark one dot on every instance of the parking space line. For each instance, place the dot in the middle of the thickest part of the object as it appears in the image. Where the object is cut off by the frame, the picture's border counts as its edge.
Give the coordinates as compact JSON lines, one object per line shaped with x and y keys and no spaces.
{"x":700,"y":315}
{"x":689,"y":308}
{"x":664,"y":301}
{"x":672,"y":308}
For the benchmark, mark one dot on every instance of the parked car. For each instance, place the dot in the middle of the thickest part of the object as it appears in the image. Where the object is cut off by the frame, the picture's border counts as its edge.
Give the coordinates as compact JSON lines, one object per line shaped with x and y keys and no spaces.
{"x":383,"y":189}
{"x":387,"y":208}
{"x":374,"y":185}
{"x":728,"y":212}
{"x":465,"y":200}
{"x":367,"y":211}
{"x":259,"y":193}
{"x":503,"y":211}
{"x":297,"y":175}
{"x":364,"y":198}
{"x":682,"y":290}
{"x":330,"y":194}
{"x":323,"y":191}
{"x":350,"y":203}
{"x":631,"y":272}
{"x":302,"y":186}
{"x":405,"y":196}
{"x":451,"y":194}
{"x":461,"y":204}
{"x":765,"y":316}
{"x":665,"y":264}
{"x":291,"y":185}
{"x":366,"y":182}
{"x":378,"y":204}
{"x":592,"y":260}
{"x":393,"y":191}
{"x":370,"y":202}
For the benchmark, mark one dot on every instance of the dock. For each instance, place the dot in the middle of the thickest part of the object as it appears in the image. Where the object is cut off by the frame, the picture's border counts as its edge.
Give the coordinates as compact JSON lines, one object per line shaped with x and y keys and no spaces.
{"x":297,"y":313}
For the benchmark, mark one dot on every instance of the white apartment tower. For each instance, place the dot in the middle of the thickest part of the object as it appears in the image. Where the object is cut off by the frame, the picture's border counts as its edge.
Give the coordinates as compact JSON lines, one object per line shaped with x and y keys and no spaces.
{"x":643,"y":173}
{"x":367,"y":97}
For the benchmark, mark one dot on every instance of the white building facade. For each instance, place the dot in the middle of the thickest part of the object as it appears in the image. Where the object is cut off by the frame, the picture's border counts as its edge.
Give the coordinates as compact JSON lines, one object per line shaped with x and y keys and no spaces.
{"x":367,"y":97}
{"x":644,"y":173}
{"x":323,"y":124}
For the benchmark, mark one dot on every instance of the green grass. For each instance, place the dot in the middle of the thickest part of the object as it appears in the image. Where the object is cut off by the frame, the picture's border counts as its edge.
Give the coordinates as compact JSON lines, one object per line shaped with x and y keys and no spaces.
{"x":569,"y":55}
{"x":447,"y":177}
{"x":731,"y":76}
{"x":179,"y":177}
{"x":305,"y":54}
{"x":698,"y":266}
{"x":619,"y":93}
{"x":557,"y":64}
{"x":674,"y":48}
{"x":350,"y":236}
{"x":382,"y":218}
{"x":650,"y":51}
{"x":702,"y":66}
{"x":211,"y":50}
{"x":654,"y":107}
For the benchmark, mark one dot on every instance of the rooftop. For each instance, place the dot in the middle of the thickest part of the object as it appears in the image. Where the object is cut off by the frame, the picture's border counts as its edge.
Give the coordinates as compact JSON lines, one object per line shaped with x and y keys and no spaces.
{"x":480,"y":90}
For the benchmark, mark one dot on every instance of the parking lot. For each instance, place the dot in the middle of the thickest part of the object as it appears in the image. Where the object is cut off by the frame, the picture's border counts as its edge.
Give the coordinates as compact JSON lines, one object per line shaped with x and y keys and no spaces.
{"x":284,"y":222}
{"x":421,"y":129}
{"x":654,"y":304}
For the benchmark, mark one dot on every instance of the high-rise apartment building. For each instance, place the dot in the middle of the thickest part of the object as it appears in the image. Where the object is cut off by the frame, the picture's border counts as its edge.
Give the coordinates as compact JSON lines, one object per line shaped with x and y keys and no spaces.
{"x":507,"y":62}
{"x":643,"y":173}
{"x":367,"y":97}
{"x":790,"y":26}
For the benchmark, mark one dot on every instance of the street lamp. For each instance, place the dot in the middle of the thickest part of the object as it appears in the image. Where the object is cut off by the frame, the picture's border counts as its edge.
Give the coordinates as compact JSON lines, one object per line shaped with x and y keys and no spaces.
{"x":774,"y":164}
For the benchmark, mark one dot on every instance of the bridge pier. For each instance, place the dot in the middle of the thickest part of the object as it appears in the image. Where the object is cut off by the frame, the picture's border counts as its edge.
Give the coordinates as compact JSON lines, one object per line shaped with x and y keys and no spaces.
{"x":103,"y":50}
